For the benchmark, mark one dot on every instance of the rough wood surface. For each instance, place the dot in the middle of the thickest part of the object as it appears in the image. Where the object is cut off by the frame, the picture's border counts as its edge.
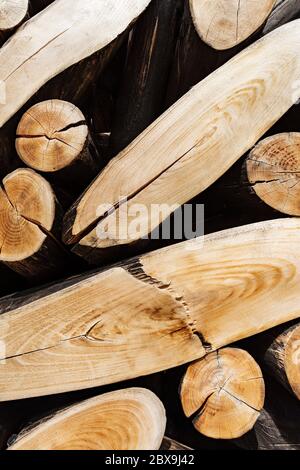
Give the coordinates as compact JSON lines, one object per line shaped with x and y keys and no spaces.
{"x":132,"y":419}
{"x":12,"y":13}
{"x":217,"y":121}
{"x":164,"y":309}
{"x":224,"y":393}
{"x":225,"y":23}
{"x":284,"y":11}
{"x":63,"y":34}
{"x":273,"y":169}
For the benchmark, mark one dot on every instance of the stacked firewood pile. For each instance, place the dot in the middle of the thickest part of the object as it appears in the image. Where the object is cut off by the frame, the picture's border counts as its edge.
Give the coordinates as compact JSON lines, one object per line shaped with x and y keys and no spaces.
{"x":113,"y":336}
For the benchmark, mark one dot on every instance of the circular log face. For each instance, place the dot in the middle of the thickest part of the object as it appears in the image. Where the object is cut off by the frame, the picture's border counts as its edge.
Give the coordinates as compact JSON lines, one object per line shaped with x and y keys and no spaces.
{"x":292,"y":361}
{"x":223,"y":24}
{"x":27,"y":206}
{"x":132,"y":419}
{"x":224,"y":392}
{"x":12,"y":13}
{"x":273,"y":168}
{"x":51,"y":135}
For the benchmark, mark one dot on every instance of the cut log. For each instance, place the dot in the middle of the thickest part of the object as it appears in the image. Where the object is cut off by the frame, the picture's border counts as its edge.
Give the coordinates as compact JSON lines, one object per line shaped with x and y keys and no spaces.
{"x":277,"y":427}
{"x":176,"y":305}
{"x":63,"y":34}
{"x":150,"y":52}
{"x":171,"y":162}
{"x":12,"y":13}
{"x":273,"y":169}
{"x":226,"y":23}
{"x":284,"y":11}
{"x":132,"y":419}
{"x":170,"y":444}
{"x":53,"y":137}
{"x":224,"y":393}
{"x":30,"y":215}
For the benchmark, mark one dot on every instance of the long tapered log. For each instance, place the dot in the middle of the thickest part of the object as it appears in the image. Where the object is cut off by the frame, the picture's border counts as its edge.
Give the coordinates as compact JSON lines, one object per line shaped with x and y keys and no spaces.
{"x":171,"y":444}
{"x":224,"y":393}
{"x":150,"y":52}
{"x":277,"y":427}
{"x":273,"y":169}
{"x":284,"y":12}
{"x":226,"y":23}
{"x":63,"y":34}
{"x":29,"y":219}
{"x":189,"y":147}
{"x":177,"y":305}
{"x":53,"y":137}
{"x":132,"y":419}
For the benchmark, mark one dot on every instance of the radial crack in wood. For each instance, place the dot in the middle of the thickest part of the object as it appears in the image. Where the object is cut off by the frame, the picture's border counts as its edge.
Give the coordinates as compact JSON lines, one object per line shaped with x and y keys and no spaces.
{"x":131,"y":419}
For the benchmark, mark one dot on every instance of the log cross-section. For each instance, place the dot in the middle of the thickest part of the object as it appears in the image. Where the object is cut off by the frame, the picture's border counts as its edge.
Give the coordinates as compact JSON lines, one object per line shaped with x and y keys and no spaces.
{"x":150,"y":314}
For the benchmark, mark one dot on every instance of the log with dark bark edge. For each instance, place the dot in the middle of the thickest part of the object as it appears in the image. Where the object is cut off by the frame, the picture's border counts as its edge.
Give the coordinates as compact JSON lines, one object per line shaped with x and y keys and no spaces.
{"x":226,"y":23}
{"x":171,"y":444}
{"x":273,"y":169}
{"x":150,"y":52}
{"x":176,"y":152}
{"x":29,"y":219}
{"x":53,"y":138}
{"x":284,"y":11}
{"x":60,"y":36}
{"x":132,"y":419}
{"x":196,"y":296}
{"x":277,"y":427}
{"x":224,"y":393}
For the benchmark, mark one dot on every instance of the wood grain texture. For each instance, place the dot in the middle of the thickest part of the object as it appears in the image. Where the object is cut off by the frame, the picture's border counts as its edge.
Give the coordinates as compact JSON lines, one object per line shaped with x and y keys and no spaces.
{"x":63,"y":34}
{"x":131,"y":419}
{"x":224,"y":393}
{"x":167,"y":308}
{"x":216,"y":122}
{"x":12,"y":13}
{"x":225,"y":23}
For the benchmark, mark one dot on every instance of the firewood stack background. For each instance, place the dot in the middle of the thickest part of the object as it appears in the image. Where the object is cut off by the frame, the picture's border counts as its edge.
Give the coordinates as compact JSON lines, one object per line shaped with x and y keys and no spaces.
{"x":135,"y":341}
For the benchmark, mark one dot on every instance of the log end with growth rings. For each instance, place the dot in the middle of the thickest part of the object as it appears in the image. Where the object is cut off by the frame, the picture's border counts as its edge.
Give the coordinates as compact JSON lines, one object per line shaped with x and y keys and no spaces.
{"x":223,"y":393}
{"x":12,"y":13}
{"x":51,"y":135}
{"x":27,"y":210}
{"x":273,"y":169}
{"x":132,"y":419}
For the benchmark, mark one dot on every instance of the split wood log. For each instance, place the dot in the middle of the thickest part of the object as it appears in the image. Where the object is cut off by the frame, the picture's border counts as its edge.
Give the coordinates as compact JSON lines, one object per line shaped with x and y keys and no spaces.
{"x":58,"y":37}
{"x":29,"y":219}
{"x":217,"y":121}
{"x":277,"y":427}
{"x":284,"y":11}
{"x":177,"y":305}
{"x":53,"y":137}
{"x":144,"y":80}
{"x":224,"y":393}
{"x":171,"y":444}
{"x":132,"y":419}
{"x":273,"y":169}
{"x":226,"y":23}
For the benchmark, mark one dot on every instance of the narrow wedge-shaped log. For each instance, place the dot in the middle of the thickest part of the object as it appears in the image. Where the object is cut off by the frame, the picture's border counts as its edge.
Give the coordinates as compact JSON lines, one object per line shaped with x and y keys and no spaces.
{"x":144,"y":80}
{"x":190,"y":146}
{"x":176,"y":305}
{"x":131,"y":419}
{"x":29,"y":217}
{"x":273,"y":169}
{"x":53,"y":137}
{"x":224,"y":393}
{"x":283,"y":12}
{"x":226,"y":23}
{"x":63,"y":34}
{"x":171,"y":444}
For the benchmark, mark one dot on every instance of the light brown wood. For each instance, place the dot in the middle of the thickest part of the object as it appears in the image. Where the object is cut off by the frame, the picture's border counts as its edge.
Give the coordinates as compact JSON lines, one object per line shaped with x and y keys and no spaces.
{"x":190,"y":146}
{"x":63,"y":34}
{"x":12,"y":13}
{"x":131,"y":419}
{"x":28,"y":215}
{"x":224,"y":393}
{"x":165,"y":309}
{"x":273,"y":169}
{"x":223,"y":24}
